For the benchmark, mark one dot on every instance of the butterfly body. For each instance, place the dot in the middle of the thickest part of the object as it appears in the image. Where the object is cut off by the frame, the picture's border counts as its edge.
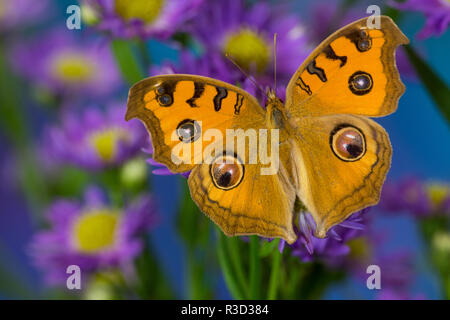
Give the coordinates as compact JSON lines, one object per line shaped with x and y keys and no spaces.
{"x":320,"y":148}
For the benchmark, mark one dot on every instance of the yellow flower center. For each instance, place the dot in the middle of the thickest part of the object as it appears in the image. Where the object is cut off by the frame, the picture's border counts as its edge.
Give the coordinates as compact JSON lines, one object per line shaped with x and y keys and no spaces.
{"x":96,"y":230}
{"x":145,"y":10}
{"x":72,"y":68}
{"x":106,"y":142}
{"x":248,"y":49}
{"x":359,"y":249}
{"x":437,"y":193}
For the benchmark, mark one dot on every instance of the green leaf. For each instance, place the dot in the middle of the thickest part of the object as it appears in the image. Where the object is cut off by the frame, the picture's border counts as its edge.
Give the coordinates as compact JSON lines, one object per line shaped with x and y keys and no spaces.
{"x":127,"y":61}
{"x":267,"y":248}
{"x":436,"y":87}
{"x":235,"y":251}
{"x":274,"y":274}
{"x":226,"y":266}
{"x":255,"y":269}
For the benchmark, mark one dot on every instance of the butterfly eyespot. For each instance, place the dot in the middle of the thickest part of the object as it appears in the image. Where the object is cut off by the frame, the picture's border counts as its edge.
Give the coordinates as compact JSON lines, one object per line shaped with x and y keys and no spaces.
{"x":226,"y":172}
{"x":160,"y":90}
{"x":165,"y":100}
{"x":364,"y":44}
{"x":348,"y":143}
{"x":360,"y":83}
{"x":188,"y":130}
{"x":364,"y":34}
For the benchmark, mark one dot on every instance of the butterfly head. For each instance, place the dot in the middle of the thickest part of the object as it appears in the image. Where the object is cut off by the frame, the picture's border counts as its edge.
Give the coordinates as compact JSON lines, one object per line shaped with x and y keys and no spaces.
{"x":272,"y":99}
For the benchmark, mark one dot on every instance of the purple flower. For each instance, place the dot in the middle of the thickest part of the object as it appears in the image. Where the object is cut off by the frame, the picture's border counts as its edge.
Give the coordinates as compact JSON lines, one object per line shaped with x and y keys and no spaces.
{"x":412,"y":195}
{"x":21,"y":13}
{"x":439,"y":195}
{"x":159,"y":168}
{"x":94,"y":140}
{"x":326,"y":17}
{"x":210,"y":65}
{"x":409,"y":194}
{"x":65,"y":65}
{"x":307,"y":247}
{"x":437,"y":13}
{"x":141,"y":18}
{"x":246,"y":34}
{"x":92,"y":235}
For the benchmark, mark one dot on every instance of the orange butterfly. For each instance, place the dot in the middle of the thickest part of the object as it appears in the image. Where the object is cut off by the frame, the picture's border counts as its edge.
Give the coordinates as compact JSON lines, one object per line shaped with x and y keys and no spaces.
{"x":333,"y":159}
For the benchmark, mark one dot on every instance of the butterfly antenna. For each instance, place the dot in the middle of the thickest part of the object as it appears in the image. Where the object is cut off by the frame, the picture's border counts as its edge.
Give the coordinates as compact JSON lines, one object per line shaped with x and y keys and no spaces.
{"x":257,"y":85}
{"x":275,"y":60}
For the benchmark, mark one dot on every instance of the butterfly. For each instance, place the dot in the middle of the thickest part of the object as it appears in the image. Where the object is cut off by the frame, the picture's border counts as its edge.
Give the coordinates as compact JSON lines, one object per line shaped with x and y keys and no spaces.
{"x":333,"y":159}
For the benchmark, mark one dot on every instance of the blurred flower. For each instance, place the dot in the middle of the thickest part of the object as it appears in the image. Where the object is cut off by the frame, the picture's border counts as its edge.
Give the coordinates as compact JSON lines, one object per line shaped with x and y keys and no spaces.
{"x":327,"y":17}
{"x":92,"y":235}
{"x":21,"y":13}
{"x":99,"y":288}
{"x":391,"y":294}
{"x":439,"y":195}
{"x":213,"y":65}
{"x":159,"y":168}
{"x":246,"y":34}
{"x":307,"y":247}
{"x":421,"y":199}
{"x":134,"y":172}
{"x":437,"y":13}
{"x":209,"y":65}
{"x":140,"y":18}
{"x":64,"y":65}
{"x":351,"y":245}
{"x":94,"y":139}
{"x":409,"y":194}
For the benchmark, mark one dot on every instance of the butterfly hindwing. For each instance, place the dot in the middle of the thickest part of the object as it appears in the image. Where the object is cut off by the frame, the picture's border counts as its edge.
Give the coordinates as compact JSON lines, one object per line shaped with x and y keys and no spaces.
{"x":342,"y":161}
{"x":256,"y":204}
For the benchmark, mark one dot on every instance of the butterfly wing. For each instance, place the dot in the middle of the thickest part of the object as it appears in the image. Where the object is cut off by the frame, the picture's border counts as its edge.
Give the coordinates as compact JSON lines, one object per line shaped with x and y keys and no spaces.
{"x":337,"y":180}
{"x":258,"y":204}
{"x":343,"y":157}
{"x":169,"y":102}
{"x":353,"y":71}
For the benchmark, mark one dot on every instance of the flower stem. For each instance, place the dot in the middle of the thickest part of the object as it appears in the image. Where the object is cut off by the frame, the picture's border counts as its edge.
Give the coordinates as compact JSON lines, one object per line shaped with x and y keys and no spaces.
{"x":274,"y":274}
{"x":237,"y":264}
{"x":255,"y":270}
{"x":225,"y":264}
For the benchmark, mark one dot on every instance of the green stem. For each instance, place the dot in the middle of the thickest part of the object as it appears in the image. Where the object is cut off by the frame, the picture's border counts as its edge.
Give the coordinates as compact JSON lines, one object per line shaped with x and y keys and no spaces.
{"x":237,"y":264}
{"x":226,"y":267}
{"x":274,"y":274}
{"x":255,"y":270}
{"x":126,"y":61}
